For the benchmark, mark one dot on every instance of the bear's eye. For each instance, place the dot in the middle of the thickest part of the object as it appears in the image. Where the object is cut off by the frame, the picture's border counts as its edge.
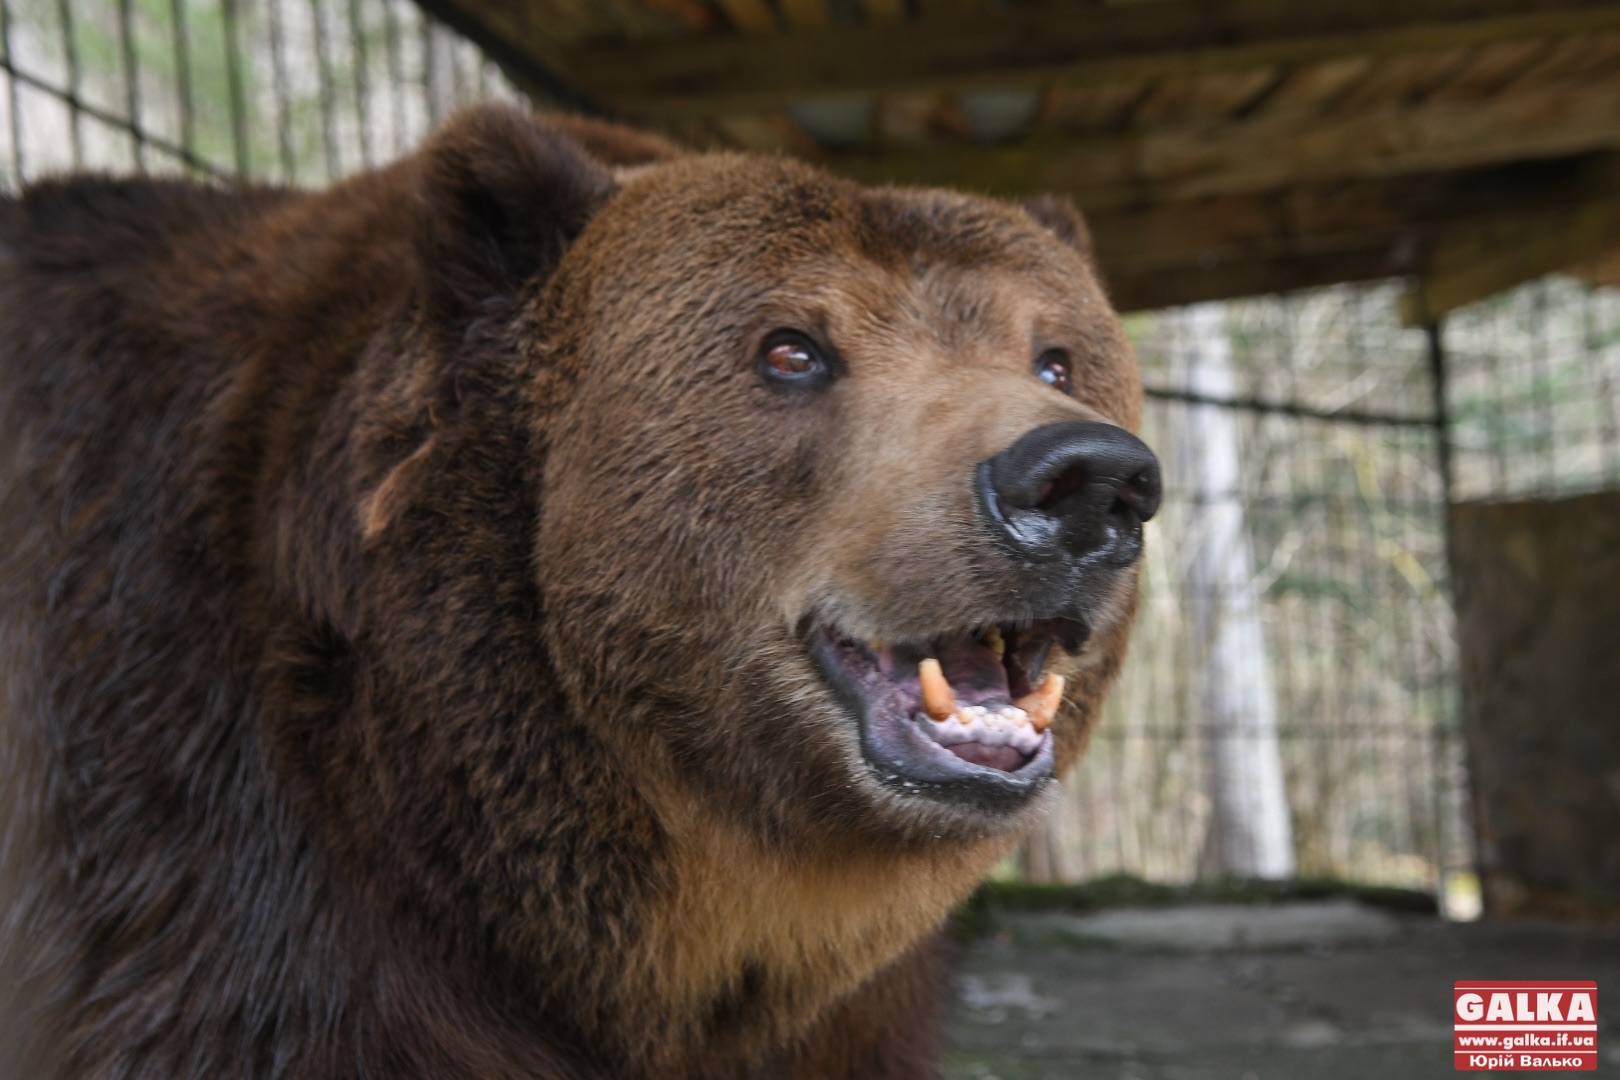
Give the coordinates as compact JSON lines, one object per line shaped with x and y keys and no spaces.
{"x":790,"y":359}
{"x":1053,"y":368}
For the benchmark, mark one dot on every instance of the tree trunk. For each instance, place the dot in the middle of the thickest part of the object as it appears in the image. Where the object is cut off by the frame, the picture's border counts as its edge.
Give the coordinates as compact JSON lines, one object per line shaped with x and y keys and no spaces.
{"x":1249,"y":831}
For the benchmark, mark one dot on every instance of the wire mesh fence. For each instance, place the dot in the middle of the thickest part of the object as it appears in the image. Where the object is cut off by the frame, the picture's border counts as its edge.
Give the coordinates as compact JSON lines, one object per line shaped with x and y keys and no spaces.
{"x":1534,"y":378}
{"x":1338,"y":490}
{"x":1328,"y":411}
{"x":294,"y":91}
{"x":1344,"y":505}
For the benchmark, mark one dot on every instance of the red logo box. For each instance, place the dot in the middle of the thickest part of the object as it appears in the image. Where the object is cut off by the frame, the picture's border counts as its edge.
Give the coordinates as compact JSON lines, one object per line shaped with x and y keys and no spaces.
{"x":1524,"y":1026}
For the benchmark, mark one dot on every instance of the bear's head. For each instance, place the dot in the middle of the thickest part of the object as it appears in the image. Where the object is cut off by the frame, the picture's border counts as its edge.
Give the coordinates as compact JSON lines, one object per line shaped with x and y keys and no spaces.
{"x":742,"y":502}
{"x":818,"y":440}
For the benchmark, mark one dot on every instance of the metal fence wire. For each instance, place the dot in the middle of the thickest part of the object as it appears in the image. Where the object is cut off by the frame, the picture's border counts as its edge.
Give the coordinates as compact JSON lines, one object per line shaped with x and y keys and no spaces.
{"x":295,"y":91}
{"x":1337,"y":491}
{"x":1342,"y":444}
{"x":1327,"y":406}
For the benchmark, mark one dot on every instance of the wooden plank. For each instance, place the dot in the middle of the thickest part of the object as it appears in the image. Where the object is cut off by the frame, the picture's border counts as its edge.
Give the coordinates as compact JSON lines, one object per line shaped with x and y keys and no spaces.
{"x":1243,"y":245}
{"x":1268,"y":151}
{"x":950,"y":9}
{"x":1551,"y":66}
{"x":574,"y":20}
{"x":1193,"y":284}
{"x":913,"y":120}
{"x":1402,"y":80}
{"x":806,"y":15}
{"x":883,"y":11}
{"x":750,"y":17}
{"x":1090,"y":109}
{"x":1464,"y":267}
{"x":1572,"y":60}
{"x":1313,"y":88}
{"x":1203,"y":97}
{"x":1491,"y":67}
{"x":761,"y":133}
{"x":1602,"y":270}
{"x":1095,"y":43}
{"x":693,"y":14}
{"x":1335,"y":216}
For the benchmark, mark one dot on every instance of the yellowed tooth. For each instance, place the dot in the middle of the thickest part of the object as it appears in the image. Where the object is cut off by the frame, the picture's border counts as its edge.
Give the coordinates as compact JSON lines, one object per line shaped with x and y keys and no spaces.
{"x":1042,"y":703}
{"x":939,"y":701}
{"x":992,"y":638}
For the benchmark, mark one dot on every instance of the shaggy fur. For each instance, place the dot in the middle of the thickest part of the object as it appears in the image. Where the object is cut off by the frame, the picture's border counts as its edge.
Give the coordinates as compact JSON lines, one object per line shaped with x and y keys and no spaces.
{"x":400,"y":599}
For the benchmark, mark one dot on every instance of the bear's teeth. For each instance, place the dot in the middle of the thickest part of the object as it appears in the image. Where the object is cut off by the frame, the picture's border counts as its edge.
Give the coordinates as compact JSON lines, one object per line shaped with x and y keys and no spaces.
{"x":1042,"y":703}
{"x":1032,"y":710}
{"x":939,"y":700}
{"x":1005,"y":726}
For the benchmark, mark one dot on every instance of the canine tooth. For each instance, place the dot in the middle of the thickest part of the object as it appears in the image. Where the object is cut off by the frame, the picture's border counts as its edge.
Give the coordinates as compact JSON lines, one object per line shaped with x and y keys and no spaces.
{"x":992,"y":638}
{"x":1042,"y":703}
{"x":939,"y":701}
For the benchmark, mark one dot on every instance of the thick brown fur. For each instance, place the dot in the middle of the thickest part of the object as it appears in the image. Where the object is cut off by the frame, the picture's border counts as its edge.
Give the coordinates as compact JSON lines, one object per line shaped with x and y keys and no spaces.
{"x":399,"y":589}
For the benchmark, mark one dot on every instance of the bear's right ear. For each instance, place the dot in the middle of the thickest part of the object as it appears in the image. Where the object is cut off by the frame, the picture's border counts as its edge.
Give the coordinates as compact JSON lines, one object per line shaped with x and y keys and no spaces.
{"x":1064,"y":220}
{"x":502,"y":196}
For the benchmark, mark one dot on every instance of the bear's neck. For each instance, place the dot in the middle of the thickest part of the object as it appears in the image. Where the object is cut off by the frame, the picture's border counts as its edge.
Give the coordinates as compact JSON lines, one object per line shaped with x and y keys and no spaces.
{"x":756,"y":942}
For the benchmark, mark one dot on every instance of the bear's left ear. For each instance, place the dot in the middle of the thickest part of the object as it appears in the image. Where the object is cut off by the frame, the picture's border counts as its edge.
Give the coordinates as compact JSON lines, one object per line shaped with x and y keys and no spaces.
{"x":1064,"y":220}
{"x":502,"y":197}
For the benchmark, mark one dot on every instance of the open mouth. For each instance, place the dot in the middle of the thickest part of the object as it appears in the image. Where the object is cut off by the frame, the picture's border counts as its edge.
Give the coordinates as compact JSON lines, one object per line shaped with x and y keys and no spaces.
{"x":970,"y":709}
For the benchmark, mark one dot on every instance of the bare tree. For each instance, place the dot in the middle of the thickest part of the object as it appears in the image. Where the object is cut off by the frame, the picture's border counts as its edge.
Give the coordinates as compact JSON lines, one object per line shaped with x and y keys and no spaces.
{"x":1249,"y":831}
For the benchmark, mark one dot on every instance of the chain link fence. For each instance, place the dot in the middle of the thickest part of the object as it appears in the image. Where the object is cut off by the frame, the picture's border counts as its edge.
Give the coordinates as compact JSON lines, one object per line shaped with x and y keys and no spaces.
{"x":1337,"y":490}
{"x":1328,"y":407}
{"x":1534,"y":381}
{"x":1341,"y":451}
{"x":292,"y":91}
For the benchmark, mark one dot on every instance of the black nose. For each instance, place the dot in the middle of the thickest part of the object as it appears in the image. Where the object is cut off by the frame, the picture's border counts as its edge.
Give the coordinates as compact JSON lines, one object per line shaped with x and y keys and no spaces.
{"x":1073,"y":488}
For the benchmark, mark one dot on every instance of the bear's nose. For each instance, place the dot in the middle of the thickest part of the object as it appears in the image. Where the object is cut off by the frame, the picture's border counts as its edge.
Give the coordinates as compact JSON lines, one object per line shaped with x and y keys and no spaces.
{"x":1076,"y":488}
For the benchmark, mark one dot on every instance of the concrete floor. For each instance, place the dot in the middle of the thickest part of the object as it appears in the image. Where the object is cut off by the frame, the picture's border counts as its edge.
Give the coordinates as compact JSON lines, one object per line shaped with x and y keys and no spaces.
{"x":1295,"y":991}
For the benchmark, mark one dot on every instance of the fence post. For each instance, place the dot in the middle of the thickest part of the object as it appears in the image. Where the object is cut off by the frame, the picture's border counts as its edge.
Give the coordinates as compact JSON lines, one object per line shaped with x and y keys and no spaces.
{"x":1435,"y":334}
{"x":1434,"y":330}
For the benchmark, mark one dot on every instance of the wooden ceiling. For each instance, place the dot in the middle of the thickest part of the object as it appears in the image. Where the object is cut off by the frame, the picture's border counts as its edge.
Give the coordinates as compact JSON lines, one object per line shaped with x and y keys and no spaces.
{"x":1219,"y":147}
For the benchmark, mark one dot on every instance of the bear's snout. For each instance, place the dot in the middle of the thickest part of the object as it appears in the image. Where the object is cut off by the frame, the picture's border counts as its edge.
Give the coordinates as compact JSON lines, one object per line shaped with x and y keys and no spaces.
{"x":1074,"y":489}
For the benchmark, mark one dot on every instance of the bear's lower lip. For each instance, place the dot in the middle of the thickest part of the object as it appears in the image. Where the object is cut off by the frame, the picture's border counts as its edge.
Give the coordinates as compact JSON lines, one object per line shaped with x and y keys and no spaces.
{"x":991,"y":753}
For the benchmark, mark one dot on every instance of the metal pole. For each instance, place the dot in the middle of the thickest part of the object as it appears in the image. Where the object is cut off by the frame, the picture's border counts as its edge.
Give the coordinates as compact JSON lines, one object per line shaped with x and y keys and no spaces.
{"x":1434,"y":332}
{"x":238,"y":94}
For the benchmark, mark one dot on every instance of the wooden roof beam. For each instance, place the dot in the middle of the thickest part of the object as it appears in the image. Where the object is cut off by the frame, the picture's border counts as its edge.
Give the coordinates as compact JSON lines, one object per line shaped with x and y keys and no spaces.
{"x":1174,"y":286}
{"x":1602,"y":270}
{"x":1465,"y":266}
{"x":1532,"y":217}
{"x":1071,"y":44}
{"x":1268,"y":152}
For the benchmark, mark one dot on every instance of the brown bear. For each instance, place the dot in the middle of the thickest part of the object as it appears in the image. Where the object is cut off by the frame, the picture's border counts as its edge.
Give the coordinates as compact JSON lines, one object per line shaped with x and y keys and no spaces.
{"x":558,"y":606}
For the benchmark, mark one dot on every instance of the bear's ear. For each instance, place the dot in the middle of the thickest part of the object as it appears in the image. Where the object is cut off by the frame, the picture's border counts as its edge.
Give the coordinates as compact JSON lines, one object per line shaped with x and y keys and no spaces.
{"x":615,"y":145}
{"x":502,"y":197}
{"x":1064,"y":220}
